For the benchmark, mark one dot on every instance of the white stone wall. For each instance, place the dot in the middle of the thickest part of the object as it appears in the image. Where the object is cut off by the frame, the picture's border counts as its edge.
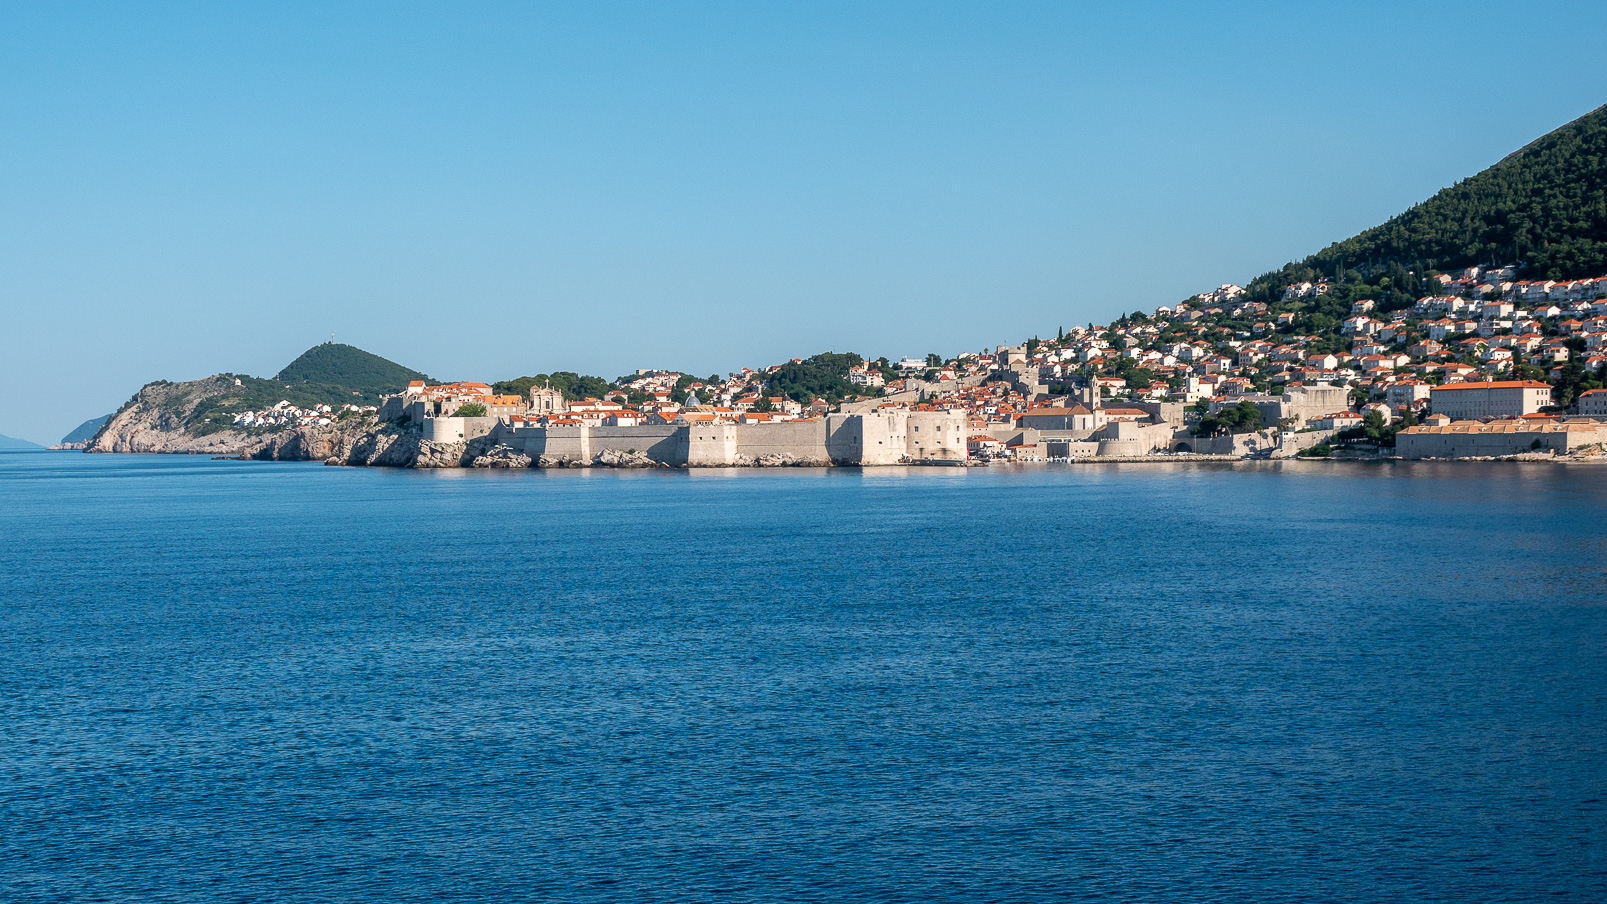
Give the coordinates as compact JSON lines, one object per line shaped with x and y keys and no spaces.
{"x":457,"y":429}
{"x":1452,"y":442}
{"x":935,"y":436}
{"x":886,"y":437}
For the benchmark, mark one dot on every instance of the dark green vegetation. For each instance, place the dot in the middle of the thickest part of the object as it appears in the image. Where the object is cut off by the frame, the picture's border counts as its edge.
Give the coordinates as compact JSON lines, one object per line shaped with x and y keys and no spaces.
{"x":86,"y":431}
{"x":215,"y":412}
{"x":1372,"y":429}
{"x":823,"y":376}
{"x":472,"y":409}
{"x":1241,"y":418}
{"x":574,"y":386}
{"x":1543,"y":207}
{"x":347,"y":374}
{"x":1124,"y":367}
{"x":1574,"y":379}
{"x":329,"y":374}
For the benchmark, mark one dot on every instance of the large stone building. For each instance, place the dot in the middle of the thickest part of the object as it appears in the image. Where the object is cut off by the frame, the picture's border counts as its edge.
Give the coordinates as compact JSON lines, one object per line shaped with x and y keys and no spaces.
{"x":1593,"y":403}
{"x":545,"y":401}
{"x":1473,"y":401}
{"x":1076,"y":417}
{"x":1468,"y":439}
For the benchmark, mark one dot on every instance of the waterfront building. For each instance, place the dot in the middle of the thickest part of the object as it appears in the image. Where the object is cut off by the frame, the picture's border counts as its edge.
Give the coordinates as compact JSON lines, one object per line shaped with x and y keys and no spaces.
{"x":1504,"y":398}
{"x":1593,"y":404}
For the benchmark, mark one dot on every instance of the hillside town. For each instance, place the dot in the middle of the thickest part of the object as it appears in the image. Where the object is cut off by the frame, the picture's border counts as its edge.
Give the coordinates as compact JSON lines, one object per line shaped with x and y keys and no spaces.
{"x":1487,"y":366}
{"x":285,"y":414}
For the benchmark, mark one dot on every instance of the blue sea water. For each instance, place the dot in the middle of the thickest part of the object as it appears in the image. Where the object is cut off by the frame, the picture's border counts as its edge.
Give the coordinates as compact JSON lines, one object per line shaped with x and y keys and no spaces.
{"x":241,"y":681}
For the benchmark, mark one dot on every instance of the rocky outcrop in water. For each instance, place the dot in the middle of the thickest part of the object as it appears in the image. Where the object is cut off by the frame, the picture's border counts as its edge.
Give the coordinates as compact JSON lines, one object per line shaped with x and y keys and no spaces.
{"x":610,"y":458}
{"x":395,"y":447}
{"x":779,"y":460}
{"x":500,"y":456}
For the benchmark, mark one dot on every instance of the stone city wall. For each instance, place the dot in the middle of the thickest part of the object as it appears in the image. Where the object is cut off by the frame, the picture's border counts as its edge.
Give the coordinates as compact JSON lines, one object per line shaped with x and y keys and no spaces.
{"x":876,"y":438}
{"x":457,"y":429}
{"x":1452,"y":442}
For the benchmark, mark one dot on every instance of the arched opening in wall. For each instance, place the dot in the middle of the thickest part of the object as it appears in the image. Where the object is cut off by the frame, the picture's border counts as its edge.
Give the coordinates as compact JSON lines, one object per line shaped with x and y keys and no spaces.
{"x":1182,"y":447}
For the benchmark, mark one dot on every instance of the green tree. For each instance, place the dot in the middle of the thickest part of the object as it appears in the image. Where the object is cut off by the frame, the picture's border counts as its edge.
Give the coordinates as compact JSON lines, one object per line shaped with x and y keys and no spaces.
{"x":1374,"y":424}
{"x":573,"y":386}
{"x":1241,"y":418}
{"x":821,"y":376}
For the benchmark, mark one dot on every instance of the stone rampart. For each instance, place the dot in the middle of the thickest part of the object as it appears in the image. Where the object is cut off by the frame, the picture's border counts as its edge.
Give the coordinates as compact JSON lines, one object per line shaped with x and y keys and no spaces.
{"x":1261,"y":442}
{"x":873,"y":438}
{"x":457,"y":429}
{"x":936,"y":436}
{"x":878,"y":438}
{"x":1493,"y":440}
{"x":801,"y":442}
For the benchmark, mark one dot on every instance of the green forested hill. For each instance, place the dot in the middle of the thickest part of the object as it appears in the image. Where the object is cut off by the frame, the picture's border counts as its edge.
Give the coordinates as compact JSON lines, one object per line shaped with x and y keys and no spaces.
{"x":329,"y":374}
{"x":344,"y":371}
{"x":1544,"y":207}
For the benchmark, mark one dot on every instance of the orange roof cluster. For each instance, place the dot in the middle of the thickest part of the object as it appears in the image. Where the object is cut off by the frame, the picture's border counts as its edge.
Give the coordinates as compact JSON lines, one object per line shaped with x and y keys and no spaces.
{"x":1498,"y":384}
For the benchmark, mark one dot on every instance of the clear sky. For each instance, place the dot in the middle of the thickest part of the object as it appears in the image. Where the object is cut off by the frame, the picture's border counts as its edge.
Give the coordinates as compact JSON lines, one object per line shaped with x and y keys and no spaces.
{"x":484,"y":190}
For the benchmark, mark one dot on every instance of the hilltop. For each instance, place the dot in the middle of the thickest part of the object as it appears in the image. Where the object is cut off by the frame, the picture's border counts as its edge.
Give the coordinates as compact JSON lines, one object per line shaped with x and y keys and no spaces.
{"x":199,"y":415}
{"x":1542,"y":208}
{"x":338,"y":370}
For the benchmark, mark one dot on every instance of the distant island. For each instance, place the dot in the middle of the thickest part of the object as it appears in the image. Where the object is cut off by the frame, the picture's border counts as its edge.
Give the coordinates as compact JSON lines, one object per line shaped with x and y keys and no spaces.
{"x":81,"y":435}
{"x":1472,"y":325}
{"x":12,"y":444}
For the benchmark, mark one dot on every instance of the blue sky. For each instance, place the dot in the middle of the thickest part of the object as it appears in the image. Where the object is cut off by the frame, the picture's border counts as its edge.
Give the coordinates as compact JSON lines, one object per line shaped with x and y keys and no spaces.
{"x":486,"y":190}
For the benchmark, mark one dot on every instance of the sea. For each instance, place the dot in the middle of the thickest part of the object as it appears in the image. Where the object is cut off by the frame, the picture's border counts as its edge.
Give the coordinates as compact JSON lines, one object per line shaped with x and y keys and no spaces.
{"x":227,"y":681}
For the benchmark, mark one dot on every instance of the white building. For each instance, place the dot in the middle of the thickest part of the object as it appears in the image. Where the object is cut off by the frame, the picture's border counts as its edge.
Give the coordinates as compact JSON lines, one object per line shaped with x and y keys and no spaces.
{"x":1593,"y":403}
{"x":1506,"y":398}
{"x":1406,"y":393}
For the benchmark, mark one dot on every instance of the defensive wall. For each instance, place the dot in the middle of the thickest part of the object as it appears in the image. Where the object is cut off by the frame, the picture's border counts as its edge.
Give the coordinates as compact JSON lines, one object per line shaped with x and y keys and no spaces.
{"x":1297,"y":403}
{"x":1127,"y":438}
{"x":1270,"y":443}
{"x":1477,"y":440}
{"x":457,"y":429}
{"x":874,"y":438}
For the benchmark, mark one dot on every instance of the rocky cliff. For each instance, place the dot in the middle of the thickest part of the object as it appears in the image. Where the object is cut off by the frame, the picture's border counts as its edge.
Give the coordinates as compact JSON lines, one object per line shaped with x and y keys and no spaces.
{"x":162,"y":417}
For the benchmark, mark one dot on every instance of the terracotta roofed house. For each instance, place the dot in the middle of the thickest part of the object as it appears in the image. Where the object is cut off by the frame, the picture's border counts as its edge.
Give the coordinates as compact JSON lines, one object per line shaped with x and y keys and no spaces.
{"x":1504,"y":398}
